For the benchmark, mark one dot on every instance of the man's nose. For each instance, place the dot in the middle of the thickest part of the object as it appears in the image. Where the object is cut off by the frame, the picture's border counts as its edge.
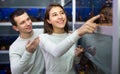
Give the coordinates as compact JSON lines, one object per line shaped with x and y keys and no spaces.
{"x":27,"y":22}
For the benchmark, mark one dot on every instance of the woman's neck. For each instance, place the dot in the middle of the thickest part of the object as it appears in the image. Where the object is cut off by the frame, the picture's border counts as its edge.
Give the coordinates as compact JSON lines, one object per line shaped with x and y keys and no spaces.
{"x":59,"y":31}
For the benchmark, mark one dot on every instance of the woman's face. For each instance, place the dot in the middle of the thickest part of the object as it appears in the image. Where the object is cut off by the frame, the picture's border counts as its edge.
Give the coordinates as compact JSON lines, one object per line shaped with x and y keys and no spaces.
{"x":57,"y":18}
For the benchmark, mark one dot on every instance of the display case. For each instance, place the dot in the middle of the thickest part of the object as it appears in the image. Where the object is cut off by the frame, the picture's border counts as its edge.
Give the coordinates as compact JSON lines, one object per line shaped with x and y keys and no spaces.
{"x":102,"y":47}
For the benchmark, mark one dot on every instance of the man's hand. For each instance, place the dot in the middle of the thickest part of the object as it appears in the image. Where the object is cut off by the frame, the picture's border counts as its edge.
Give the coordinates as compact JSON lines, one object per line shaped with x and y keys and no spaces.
{"x":89,"y":26}
{"x":32,"y":45}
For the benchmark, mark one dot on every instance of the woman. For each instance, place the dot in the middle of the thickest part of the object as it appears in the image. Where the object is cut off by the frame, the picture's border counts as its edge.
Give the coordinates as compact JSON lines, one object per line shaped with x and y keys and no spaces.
{"x":57,"y":45}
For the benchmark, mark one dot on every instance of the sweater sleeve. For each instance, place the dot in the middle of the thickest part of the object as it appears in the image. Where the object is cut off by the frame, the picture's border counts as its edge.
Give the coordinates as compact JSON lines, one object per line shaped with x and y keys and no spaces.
{"x":18,"y":63}
{"x":58,"y":50}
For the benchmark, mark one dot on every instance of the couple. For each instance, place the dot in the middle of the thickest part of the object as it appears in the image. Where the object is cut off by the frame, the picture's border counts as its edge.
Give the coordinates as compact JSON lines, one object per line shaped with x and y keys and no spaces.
{"x":51,"y":52}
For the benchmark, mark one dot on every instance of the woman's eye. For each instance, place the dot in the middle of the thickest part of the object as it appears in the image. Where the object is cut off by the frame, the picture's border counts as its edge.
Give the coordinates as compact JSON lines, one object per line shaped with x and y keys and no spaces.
{"x":54,"y":14}
{"x":62,"y":12}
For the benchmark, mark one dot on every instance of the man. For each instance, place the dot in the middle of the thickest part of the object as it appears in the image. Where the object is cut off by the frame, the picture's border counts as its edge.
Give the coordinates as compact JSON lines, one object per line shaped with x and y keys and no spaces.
{"x":25,"y":54}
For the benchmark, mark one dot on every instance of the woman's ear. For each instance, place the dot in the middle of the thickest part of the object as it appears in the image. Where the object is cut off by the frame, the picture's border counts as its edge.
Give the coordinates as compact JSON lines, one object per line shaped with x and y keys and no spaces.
{"x":15,"y":28}
{"x":49,"y":21}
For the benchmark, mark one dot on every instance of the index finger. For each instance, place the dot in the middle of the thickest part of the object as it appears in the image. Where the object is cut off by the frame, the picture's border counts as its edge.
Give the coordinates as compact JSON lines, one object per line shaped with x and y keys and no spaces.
{"x":94,"y":18}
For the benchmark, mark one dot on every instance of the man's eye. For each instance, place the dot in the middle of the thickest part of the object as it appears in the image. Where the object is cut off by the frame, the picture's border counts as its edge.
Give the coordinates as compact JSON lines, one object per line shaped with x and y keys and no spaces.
{"x":28,"y":19}
{"x":22,"y":22}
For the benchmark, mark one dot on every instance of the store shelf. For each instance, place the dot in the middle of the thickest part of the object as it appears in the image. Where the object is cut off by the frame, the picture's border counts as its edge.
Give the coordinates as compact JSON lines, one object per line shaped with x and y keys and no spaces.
{"x":106,"y":30}
{"x":4,"y":51}
{"x":4,"y":57}
{"x":9,"y":24}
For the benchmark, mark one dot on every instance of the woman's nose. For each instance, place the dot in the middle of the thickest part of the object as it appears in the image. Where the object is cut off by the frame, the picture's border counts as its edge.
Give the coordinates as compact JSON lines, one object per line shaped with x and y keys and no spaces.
{"x":59,"y":16}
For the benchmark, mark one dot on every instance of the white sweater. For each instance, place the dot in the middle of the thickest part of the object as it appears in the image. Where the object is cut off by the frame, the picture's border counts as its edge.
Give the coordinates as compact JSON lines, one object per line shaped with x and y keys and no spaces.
{"x":23,"y":62}
{"x":58,"y":51}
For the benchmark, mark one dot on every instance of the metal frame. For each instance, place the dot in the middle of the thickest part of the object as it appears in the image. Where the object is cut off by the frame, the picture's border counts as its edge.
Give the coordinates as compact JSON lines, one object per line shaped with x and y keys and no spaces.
{"x":115,"y":49}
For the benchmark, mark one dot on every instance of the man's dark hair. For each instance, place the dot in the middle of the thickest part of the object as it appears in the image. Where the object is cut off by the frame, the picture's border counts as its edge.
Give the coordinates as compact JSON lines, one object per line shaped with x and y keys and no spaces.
{"x":16,"y":13}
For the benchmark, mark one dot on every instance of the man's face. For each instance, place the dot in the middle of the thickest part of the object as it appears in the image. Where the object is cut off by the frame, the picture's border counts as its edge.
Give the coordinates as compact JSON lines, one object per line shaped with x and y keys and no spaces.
{"x":24,"y":23}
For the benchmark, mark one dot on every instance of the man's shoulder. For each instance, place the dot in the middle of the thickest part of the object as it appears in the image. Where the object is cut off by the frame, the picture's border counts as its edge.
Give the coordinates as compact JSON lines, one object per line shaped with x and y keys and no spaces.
{"x":15,"y":42}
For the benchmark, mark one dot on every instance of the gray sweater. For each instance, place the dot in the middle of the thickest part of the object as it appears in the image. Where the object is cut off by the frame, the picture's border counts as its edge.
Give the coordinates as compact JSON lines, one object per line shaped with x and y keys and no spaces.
{"x":23,"y":62}
{"x":59,"y":52}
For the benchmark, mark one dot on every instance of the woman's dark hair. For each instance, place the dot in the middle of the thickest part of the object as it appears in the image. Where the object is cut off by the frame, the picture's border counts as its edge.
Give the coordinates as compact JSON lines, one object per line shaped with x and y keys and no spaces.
{"x":48,"y":27}
{"x":16,"y":13}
